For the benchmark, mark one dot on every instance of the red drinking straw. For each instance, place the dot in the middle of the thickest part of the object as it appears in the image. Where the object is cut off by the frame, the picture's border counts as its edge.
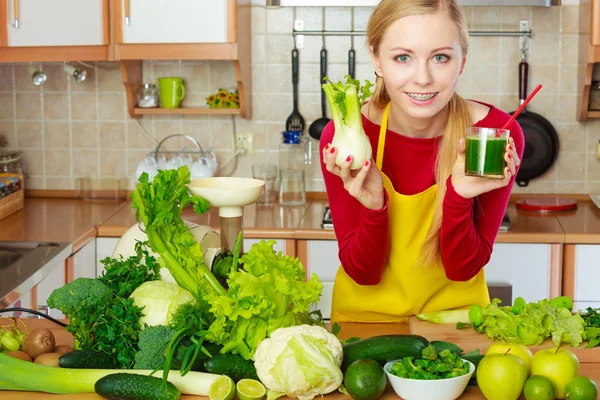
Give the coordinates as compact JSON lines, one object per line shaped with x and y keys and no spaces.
{"x":527,"y":100}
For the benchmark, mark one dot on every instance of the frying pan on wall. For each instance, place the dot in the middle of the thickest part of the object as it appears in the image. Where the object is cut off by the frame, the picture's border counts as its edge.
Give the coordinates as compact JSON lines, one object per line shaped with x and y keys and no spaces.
{"x":541,"y":139}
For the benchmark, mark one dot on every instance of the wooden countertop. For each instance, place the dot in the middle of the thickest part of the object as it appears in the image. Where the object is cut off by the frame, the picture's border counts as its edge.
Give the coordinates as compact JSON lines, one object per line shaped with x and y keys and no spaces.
{"x":591,"y":370}
{"x":77,"y":221}
{"x":581,"y":225}
{"x":305,"y":223}
{"x":57,"y":220}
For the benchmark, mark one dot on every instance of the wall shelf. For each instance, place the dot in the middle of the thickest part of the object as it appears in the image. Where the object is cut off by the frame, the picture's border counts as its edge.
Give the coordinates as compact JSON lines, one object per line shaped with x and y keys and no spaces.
{"x":236,"y":50}
{"x":589,"y":55}
{"x":187,"y":111}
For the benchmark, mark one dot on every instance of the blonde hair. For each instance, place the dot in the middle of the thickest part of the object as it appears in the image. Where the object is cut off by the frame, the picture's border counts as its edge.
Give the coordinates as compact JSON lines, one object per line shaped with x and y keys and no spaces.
{"x":459,"y":119}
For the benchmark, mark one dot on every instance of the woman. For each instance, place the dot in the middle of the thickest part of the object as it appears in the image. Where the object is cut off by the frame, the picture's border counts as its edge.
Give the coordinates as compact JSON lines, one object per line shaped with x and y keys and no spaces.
{"x":414,"y":232}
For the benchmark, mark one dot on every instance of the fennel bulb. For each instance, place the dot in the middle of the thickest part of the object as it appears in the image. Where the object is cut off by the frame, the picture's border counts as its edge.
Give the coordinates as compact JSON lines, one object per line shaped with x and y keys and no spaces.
{"x":345,"y":100}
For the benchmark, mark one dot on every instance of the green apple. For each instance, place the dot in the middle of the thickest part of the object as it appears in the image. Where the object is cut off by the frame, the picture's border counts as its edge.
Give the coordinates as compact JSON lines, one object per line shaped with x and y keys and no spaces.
{"x":519,"y":350}
{"x":558,"y":364}
{"x":501,"y":376}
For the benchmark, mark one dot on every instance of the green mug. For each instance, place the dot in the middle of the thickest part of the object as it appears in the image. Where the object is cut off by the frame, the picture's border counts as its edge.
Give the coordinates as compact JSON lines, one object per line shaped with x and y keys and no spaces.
{"x":172,"y":92}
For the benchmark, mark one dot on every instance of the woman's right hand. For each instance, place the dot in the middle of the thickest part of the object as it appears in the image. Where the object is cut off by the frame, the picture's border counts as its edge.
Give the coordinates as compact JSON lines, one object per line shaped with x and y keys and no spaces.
{"x":365,"y":185}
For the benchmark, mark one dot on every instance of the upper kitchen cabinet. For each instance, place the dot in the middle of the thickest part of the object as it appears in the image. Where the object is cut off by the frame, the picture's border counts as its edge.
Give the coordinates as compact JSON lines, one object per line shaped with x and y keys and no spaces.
{"x":183,"y":30}
{"x":589,"y":54}
{"x":59,"y":30}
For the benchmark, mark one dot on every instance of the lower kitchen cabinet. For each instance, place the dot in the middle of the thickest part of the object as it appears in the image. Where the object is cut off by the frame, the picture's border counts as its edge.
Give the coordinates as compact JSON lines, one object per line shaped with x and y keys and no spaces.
{"x":54,"y":280}
{"x":582,"y":274}
{"x":532,"y":269}
{"x":83,"y":264}
{"x":104,"y":248}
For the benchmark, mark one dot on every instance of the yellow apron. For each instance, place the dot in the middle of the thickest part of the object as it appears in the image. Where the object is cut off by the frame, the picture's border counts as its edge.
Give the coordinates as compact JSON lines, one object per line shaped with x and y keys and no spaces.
{"x":405,"y":287}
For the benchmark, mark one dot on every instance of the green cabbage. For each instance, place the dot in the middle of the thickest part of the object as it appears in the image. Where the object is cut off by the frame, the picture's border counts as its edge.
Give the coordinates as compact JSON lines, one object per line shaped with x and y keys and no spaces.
{"x":300,"y":361}
{"x":158,"y":300}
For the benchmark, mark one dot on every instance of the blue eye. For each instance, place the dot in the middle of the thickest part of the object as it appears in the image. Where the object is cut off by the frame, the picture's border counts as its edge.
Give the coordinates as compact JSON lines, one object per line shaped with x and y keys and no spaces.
{"x":403,"y":58}
{"x":440,"y":58}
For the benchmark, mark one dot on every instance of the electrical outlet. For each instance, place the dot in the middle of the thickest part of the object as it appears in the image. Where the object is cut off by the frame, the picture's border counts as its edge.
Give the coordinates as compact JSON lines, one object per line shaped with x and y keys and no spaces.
{"x":245,"y":141}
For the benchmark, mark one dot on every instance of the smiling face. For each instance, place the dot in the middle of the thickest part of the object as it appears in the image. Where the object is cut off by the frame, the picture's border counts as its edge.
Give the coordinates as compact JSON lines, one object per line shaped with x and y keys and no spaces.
{"x":420,"y":59}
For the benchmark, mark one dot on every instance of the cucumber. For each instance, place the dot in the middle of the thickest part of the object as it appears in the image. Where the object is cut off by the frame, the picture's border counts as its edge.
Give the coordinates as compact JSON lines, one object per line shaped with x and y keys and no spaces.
{"x":233,"y":365}
{"x":87,"y":358}
{"x":384,"y":348}
{"x":122,"y":386}
{"x":198,"y":365}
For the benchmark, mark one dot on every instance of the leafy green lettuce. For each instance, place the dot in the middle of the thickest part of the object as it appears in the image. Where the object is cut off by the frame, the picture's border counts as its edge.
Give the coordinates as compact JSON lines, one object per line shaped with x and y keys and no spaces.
{"x":532,"y":324}
{"x":267,"y":293}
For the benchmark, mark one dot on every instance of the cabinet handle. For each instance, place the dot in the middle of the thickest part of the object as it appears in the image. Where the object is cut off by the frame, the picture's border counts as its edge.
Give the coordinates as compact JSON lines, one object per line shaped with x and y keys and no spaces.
{"x":127,"y":11}
{"x":16,"y":13}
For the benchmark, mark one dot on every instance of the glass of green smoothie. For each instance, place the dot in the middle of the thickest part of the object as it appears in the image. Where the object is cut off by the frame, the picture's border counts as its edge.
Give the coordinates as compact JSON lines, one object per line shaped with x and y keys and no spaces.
{"x":484,"y":152}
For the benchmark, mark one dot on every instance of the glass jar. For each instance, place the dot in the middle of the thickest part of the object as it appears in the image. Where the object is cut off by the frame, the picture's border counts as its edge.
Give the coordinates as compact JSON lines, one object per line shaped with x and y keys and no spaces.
{"x":11,"y":172}
{"x":292,"y":189}
{"x":594,"y":96}
{"x":148,"y":96}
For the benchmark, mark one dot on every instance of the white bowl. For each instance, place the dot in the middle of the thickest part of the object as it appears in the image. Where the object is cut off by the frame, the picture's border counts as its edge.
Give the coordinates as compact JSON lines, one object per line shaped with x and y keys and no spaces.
{"x":419,"y":389}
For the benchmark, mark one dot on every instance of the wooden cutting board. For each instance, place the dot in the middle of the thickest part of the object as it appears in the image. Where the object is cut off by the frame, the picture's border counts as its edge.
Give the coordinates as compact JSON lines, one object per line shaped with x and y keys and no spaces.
{"x":469,"y":339}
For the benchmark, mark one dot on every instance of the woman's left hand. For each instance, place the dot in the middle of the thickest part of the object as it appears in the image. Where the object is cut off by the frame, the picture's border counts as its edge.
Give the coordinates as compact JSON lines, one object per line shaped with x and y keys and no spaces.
{"x":472,"y":186}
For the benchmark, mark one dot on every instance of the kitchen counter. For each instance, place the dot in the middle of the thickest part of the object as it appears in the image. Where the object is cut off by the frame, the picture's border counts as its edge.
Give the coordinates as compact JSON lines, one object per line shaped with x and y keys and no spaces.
{"x":57,"y":220}
{"x":591,"y":370}
{"x":304,"y":222}
{"x":581,"y":225}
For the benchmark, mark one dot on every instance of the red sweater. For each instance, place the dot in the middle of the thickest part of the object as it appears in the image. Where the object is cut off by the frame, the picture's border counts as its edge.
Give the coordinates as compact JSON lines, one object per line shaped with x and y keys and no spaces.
{"x":469,"y":226}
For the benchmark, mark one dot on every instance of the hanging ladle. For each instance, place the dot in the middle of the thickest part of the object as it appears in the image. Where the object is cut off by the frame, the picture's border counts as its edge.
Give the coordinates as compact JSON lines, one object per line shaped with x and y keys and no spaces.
{"x":316,"y":128}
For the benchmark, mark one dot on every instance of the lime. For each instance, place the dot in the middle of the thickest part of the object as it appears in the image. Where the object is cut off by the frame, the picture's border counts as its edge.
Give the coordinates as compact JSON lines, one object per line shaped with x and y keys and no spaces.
{"x":250,"y":389}
{"x":581,"y":388}
{"x":538,"y":387}
{"x":365,"y":380}
{"x":222,"y":388}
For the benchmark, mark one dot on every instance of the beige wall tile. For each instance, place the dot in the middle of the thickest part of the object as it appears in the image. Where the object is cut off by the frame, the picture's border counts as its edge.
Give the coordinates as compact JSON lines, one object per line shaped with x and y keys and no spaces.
{"x":29,"y":134}
{"x":578,"y":187}
{"x":593,"y":186}
{"x":112,"y":135}
{"x":487,"y":18}
{"x":85,"y":135}
{"x":279,"y":20}
{"x":135,"y":136}
{"x":512,"y":15}
{"x":569,"y":19}
{"x":571,"y":166}
{"x":60,"y":183}
{"x":35,"y":182}
{"x":546,"y":75}
{"x":568,"y":108}
{"x":222,"y":76}
{"x":569,"y":79}
{"x":166,"y":69}
{"x":544,"y":49}
{"x":111,"y":106}
{"x":572,"y":137}
{"x":83,"y":106}
{"x":109,"y":77}
{"x":29,"y":106}
{"x":545,"y":19}
{"x":7,"y":109}
{"x":58,"y":163}
{"x":33,"y":162}
{"x":569,"y":47}
{"x":113,"y":162}
{"x":56,"y":106}
{"x":23,"y":79}
{"x":6,"y":77}
{"x":195,"y":75}
{"x":7,"y":128}
{"x":58,"y":80}
{"x":85,"y":163}
{"x":593,"y":168}
{"x":57,"y":135}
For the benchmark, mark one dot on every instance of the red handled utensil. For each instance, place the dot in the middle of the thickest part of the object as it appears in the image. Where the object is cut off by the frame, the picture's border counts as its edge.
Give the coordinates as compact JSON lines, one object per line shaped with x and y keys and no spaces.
{"x":527,"y":100}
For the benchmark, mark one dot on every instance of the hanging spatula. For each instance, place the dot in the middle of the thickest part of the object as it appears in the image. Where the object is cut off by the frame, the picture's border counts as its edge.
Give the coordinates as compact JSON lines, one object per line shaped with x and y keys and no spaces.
{"x":295,"y":121}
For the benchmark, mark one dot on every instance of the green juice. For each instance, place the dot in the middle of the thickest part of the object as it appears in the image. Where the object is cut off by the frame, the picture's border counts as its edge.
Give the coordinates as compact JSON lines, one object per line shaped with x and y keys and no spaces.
{"x":485,"y":156}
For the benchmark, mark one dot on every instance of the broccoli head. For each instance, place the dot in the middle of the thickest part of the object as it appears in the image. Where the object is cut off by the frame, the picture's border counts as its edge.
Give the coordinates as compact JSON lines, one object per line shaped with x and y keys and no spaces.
{"x":152,"y":343}
{"x":82,"y":301}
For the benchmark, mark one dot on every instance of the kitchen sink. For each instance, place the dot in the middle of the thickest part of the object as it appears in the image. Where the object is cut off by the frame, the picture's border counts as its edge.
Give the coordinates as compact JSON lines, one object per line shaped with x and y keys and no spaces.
{"x":24,"y":264}
{"x":7,"y":257}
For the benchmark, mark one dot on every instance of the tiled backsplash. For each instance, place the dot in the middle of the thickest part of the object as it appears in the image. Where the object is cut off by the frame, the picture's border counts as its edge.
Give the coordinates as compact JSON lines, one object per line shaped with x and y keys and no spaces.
{"x":68,"y":130}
